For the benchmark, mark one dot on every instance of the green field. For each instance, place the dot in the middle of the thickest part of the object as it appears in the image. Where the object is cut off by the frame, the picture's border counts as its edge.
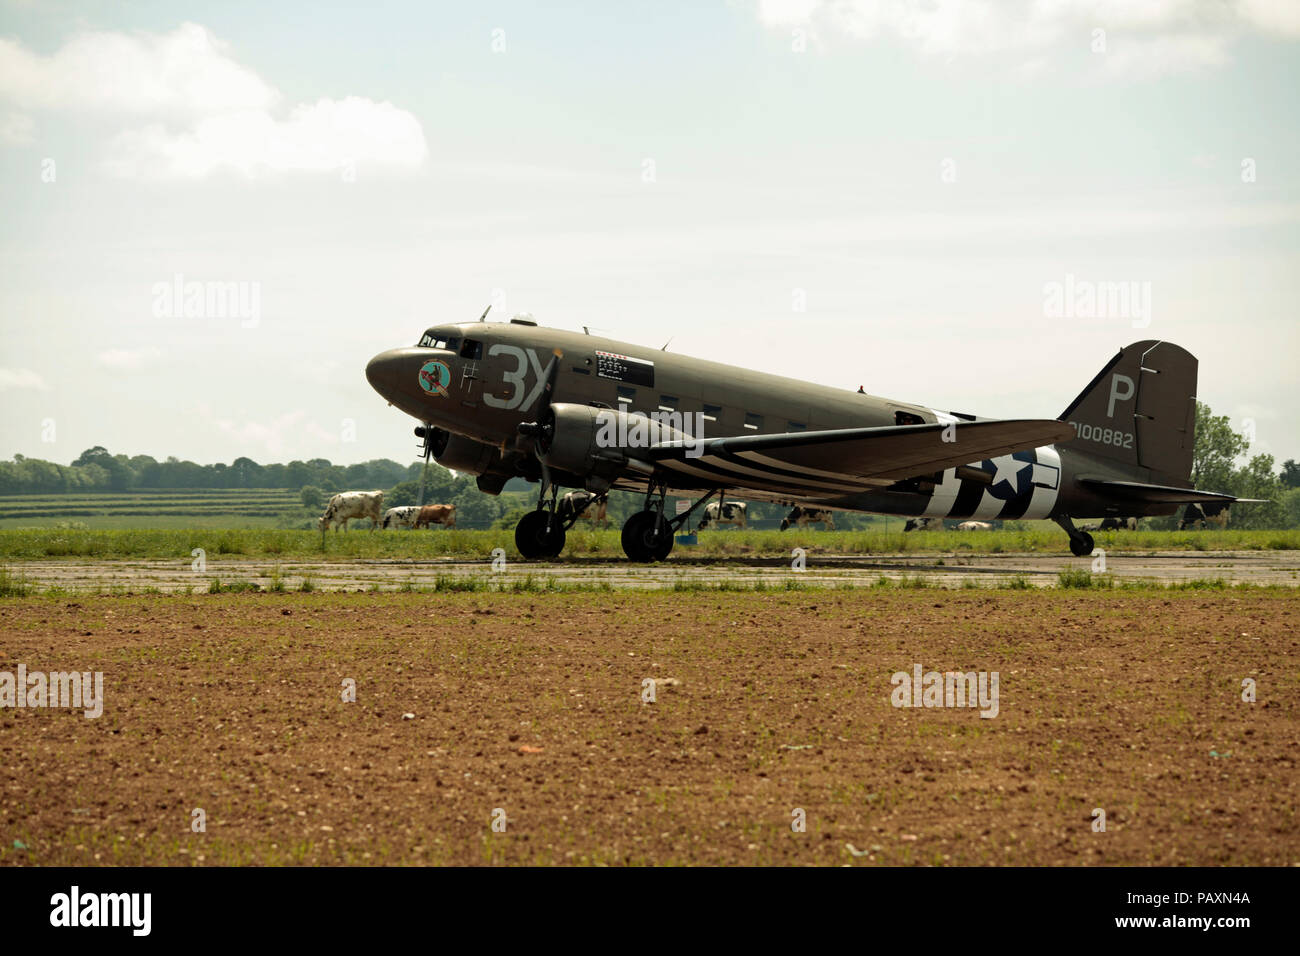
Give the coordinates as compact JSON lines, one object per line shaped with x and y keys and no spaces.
{"x":34,"y":544}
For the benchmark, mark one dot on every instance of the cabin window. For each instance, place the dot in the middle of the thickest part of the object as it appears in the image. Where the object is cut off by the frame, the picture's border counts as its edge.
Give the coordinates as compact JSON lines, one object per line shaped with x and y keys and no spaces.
{"x":797,"y":426}
{"x":626,"y":395}
{"x":432,"y":340}
{"x":667,"y":403}
{"x":472,"y":349}
{"x":753,"y":422}
{"x":712,"y":412}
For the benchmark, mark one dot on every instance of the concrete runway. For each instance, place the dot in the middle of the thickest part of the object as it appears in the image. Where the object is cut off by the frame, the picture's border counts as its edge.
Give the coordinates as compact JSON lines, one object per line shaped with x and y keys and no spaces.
{"x":944,"y":570}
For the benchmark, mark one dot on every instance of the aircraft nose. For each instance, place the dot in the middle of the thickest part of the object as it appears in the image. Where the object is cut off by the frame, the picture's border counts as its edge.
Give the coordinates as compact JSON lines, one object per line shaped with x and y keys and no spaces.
{"x":394,"y":373}
{"x":384,"y":371}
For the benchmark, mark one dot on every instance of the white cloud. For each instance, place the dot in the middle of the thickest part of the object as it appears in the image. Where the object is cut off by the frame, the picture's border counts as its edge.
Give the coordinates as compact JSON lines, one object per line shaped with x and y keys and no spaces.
{"x":187,"y":72}
{"x":1143,"y":37}
{"x":128,"y":359}
{"x":206,"y":112}
{"x":324,"y":136}
{"x":21,"y":378}
{"x":1272,"y":16}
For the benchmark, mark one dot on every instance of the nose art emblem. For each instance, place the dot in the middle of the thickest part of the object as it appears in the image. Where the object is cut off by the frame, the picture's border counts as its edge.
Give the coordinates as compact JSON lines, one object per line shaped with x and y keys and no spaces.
{"x":435,"y":377}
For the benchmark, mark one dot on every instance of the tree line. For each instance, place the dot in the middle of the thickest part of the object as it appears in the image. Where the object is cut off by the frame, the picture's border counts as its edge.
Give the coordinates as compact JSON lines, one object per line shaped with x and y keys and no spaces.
{"x":96,"y":470}
{"x":1221,"y":462}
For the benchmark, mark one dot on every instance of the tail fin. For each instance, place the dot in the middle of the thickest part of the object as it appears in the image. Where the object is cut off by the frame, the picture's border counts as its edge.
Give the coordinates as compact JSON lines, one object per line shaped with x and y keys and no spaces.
{"x":1140,"y":411}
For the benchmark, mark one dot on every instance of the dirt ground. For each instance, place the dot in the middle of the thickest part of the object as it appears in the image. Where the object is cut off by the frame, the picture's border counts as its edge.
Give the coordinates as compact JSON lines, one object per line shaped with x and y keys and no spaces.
{"x":474,"y":706}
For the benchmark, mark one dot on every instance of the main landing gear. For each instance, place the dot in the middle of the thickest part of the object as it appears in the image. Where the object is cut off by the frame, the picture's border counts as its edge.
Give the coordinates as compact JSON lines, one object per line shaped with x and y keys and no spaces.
{"x":540,"y":533}
{"x":1081,"y":543}
{"x":648,"y":535}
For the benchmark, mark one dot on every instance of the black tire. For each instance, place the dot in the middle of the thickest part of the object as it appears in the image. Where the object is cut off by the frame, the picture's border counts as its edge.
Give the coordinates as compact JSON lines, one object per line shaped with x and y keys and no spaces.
{"x":539,"y":535}
{"x":1081,"y":546}
{"x":647,"y":536}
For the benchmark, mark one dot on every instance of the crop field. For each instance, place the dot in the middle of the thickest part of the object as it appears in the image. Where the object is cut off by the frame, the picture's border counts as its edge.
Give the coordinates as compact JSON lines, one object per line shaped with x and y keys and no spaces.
{"x":656,"y":728}
{"x":41,"y":543}
{"x":170,"y":508}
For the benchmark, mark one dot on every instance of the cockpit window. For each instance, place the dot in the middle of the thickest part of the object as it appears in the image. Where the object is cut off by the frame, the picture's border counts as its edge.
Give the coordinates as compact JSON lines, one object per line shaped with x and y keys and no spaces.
{"x":471,"y":349}
{"x":435,"y":340}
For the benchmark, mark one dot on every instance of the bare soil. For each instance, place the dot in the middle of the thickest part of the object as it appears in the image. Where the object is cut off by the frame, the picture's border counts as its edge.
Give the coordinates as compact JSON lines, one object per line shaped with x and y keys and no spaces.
{"x":531,"y":705}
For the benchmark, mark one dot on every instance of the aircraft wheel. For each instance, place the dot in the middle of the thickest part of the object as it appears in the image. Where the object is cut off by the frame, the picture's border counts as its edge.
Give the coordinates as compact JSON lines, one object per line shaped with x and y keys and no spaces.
{"x":647,"y":536}
{"x":534,"y":540}
{"x":1081,"y":546}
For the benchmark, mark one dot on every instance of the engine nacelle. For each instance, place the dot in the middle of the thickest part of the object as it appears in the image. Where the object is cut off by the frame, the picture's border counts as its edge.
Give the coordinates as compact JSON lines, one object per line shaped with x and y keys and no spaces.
{"x":464,"y":454}
{"x":598,"y":444}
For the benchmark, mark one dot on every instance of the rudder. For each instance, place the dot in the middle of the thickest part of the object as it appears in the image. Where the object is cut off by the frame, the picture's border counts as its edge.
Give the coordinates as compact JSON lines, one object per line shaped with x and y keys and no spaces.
{"x":1140,"y":410}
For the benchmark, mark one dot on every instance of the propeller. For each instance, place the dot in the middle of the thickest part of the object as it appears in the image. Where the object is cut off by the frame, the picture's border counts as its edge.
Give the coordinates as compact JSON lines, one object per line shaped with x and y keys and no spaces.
{"x":542,"y":428}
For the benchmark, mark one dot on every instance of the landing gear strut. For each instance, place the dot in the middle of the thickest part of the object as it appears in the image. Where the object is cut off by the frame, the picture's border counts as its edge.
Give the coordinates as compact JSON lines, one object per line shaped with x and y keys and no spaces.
{"x":1081,"y":543}
{"x":648,"y":535}
{"x":540,"y":533}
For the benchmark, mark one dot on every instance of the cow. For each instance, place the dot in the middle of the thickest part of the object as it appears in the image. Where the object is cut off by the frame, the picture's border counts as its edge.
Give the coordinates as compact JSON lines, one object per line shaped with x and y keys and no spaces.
{"x":444,"y":515}
{"x":347,"y":505}
{"x":1113,"y":524}
{"x":923,"y":524}
{"x":584,"y":505}
{"x":403,"y":517}
{"x":803,"y":517}
{"x":1204,"y":515}
{"x":974,"y":526}
{"x":733,"y":512}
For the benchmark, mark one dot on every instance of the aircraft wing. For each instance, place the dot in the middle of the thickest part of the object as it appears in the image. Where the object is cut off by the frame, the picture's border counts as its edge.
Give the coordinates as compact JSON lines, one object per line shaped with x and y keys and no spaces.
{"x":847,"y":460}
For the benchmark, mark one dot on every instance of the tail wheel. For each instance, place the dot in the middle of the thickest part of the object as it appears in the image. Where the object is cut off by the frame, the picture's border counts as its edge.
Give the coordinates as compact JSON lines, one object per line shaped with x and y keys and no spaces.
{"x":539,"y":535}
{"x":647,"y":536}
{"x":1081,"y":546}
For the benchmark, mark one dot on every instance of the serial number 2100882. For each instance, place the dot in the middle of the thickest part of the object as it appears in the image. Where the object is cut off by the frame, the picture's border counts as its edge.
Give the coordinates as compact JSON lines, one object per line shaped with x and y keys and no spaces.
{"x":1103,"y":436}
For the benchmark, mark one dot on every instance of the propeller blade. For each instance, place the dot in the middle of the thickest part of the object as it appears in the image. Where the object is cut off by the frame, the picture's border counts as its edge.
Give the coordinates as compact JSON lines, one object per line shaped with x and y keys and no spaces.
{"x":536,"y":429}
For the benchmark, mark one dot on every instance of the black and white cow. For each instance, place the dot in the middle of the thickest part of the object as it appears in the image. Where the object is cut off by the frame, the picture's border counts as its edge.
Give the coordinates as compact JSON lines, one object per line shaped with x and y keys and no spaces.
{"x":803,"y":517}
{"x":1204,"y":515}
{"x":352,"y":504}
{"x":923,"y":524}
{"x":403,"y":517}
{"x":587,"y":506}
{"x":733,"y":512}
{"x":1113,"y":524}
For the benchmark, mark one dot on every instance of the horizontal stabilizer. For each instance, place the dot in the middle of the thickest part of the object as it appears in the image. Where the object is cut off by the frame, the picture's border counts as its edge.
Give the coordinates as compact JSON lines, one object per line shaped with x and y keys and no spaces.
{"x":1140,"y":491}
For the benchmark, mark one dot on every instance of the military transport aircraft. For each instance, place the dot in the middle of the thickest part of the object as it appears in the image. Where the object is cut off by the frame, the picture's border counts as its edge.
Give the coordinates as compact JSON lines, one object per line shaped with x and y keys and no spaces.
{"x":568,"y":409}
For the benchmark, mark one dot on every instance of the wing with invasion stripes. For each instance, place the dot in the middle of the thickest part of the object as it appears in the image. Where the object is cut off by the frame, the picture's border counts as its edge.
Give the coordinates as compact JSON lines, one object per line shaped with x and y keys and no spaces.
{"x":818,"y":464}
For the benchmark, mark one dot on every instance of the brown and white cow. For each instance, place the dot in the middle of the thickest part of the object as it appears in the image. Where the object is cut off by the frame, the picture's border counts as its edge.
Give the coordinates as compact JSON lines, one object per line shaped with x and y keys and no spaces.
{"x":803,"y":517}
{"x":733,"y":512}
{"x":347,"y":505}
{"x":586,"y":506}
{"x":444,"y":515}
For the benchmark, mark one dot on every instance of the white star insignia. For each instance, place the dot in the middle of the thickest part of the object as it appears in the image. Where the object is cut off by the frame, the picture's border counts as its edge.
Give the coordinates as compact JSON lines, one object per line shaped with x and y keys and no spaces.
{"x":1007,"y":469}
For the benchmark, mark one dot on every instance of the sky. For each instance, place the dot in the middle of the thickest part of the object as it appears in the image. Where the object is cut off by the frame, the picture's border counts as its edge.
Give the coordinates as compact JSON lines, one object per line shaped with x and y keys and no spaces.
{"x":916,"y":197}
